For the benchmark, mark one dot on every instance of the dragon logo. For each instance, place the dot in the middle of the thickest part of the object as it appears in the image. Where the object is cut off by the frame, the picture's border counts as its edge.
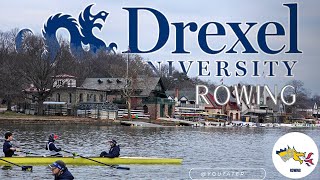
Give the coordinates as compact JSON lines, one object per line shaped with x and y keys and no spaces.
{"x":295,"y":155}
{"x":80,"y":34}
{"x":288,"y":153}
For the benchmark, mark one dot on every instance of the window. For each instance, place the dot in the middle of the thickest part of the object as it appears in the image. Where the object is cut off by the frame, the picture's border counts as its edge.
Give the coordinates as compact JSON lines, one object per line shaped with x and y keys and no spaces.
{"x":101,"y":98}
{"x":60,"y":82}
{"x":145,"y":109}
{"x":94,"y":98}
{"x":70,"y":98}
{"x":81,"y":97}
{"x":88,"y":97}
{"x":231,"y":116}
{"x":58,"y":97}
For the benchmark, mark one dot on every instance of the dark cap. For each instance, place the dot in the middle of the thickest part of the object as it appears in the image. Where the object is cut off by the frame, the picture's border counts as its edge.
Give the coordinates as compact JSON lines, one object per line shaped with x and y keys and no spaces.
{"x":58,"y":164}
{"x":53,"y":136}
{"x":113,"y":141}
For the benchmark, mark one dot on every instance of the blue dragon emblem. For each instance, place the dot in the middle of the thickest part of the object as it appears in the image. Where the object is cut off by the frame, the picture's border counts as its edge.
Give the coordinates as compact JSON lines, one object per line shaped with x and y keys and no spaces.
{"x":80,"y":34}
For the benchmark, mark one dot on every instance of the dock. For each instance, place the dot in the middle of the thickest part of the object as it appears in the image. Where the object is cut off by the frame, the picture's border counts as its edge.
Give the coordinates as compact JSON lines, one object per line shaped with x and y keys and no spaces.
{"x":139,"y":123}
{"x":180,"y":122}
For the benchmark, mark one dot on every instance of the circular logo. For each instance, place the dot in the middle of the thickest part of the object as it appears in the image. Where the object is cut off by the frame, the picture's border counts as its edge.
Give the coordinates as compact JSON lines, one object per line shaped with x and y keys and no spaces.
{"x":295,"y":155}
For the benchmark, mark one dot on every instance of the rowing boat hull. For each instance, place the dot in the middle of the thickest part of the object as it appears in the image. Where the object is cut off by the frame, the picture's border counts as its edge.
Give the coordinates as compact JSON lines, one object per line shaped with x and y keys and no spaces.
{"x":83,"y":161}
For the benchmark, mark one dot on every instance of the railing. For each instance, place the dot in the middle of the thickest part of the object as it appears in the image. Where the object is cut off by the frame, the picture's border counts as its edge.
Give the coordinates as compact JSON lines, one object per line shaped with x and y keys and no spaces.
{"x":260,"y":111}
{"x":136,"y":114}
{"x":157,"y":100}
{"x":190,"y":105}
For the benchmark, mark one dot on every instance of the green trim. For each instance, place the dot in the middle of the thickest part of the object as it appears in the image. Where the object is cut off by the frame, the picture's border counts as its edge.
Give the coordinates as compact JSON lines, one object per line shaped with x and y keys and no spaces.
{"x":157,"y":100}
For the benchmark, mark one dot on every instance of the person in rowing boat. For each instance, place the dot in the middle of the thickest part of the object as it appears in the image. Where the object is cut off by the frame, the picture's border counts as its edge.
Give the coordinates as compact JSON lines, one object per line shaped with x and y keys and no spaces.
{"x":114,"y":150}
{"x":8,"y":148}
{"x":60,"y":171}
{"x":51,"y":147}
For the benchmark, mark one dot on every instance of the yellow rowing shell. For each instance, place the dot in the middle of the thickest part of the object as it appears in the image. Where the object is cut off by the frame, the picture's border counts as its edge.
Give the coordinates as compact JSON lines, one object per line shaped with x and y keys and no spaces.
{"x":83,"y":161}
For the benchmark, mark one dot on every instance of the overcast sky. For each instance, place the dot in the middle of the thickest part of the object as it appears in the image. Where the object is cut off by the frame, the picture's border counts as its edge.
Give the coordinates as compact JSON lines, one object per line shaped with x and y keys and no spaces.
{"x":34,"y":13}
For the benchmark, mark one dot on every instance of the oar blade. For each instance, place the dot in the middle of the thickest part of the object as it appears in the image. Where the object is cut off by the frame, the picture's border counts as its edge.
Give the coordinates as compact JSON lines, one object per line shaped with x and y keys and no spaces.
{"x":27,"y":168}
{"x":123,"y":168}
{"x":6,"y":168}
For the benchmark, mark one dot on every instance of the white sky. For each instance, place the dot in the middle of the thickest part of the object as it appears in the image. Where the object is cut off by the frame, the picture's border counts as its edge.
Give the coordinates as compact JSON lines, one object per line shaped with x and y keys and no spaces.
{"x":34,"y":13}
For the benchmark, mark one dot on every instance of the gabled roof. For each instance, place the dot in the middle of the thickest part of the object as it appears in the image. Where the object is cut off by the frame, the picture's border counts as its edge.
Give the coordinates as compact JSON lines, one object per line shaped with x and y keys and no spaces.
{"x":190,"y":94}
{"x":211,"y":99}
{"x":233,"y":105}
{"x":143,"y":86}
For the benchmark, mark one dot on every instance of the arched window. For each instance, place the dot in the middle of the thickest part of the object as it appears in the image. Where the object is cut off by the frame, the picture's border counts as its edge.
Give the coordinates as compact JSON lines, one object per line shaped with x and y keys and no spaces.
{"x":101,"y":98}
{"x":237,"y":116}
{"x":145,"y":109}
{"x":70,"y":98}
{"x":81,"y":97}
{"x":94,"y":98}
{"x":88,"y":98}
{"x":231,"y":116}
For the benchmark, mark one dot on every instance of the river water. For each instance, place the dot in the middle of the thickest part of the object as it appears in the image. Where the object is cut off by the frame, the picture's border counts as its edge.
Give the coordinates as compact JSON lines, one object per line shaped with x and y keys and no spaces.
{"x":199,"y":148}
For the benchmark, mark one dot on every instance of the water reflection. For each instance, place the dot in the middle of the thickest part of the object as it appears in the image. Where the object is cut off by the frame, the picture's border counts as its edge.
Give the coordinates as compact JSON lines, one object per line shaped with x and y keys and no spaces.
{"x":200,"y":147}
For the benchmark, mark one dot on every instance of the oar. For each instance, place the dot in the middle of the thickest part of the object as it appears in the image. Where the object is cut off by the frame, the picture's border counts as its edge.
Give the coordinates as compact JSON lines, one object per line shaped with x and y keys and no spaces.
{"x":116,"y":167}
{"x":23,"y":168}
{"x":33,"y":153}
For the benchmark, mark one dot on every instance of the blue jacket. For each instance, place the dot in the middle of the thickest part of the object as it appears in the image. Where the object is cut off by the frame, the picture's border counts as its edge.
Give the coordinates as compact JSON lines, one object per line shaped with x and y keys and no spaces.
{"x":113,"y":152}
{"x":66,"y":175}
{"x":6,"y":149}
{"x":52,"y":147}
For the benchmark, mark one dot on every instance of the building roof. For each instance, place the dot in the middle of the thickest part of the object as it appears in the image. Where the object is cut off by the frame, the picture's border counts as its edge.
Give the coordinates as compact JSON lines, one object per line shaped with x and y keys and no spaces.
{"x":64,"y":76}
{"x":190,"y":94}
{"x":32,"y":89}
{"x":142,"y":86}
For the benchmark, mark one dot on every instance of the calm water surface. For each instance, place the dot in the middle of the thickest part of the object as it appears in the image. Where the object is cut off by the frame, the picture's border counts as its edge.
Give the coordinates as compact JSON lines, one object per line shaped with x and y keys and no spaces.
{"x":199,"y":148}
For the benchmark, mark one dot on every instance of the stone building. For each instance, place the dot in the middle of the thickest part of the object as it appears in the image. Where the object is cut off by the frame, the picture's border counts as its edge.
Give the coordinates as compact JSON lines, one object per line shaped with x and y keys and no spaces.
{"x":147,"y":94}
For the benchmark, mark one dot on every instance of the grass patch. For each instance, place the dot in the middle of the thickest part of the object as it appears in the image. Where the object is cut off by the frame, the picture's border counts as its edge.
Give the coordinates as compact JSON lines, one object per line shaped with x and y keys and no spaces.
{"x":12,"y":114}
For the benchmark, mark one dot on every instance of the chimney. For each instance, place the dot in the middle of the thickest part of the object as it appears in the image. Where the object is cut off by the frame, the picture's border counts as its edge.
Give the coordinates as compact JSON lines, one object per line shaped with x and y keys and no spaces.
{"x":177,"y":93}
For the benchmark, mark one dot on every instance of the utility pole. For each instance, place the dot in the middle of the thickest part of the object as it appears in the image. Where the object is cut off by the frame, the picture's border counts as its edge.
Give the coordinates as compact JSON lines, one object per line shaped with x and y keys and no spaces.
{"x":127,"y":86}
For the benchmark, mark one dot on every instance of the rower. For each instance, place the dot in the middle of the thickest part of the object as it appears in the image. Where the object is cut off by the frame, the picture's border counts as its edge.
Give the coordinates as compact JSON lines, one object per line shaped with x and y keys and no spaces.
{"x":60,"y":171}
{"x":114,"y":150}
{"x":8,"y":148}
{"x":51,"y":147}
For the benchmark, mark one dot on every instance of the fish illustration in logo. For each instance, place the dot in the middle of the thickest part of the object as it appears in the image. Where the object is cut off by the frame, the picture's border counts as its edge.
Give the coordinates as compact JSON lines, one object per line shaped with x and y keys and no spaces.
{"x":288,"y":153}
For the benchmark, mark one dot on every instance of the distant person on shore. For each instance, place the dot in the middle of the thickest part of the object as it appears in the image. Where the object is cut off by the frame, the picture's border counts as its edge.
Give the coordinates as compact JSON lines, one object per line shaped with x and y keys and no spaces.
{"x":60,"y":171}
{"x":51,"y":147}
{"x":114,"y":150}
{"x":8,"y":148}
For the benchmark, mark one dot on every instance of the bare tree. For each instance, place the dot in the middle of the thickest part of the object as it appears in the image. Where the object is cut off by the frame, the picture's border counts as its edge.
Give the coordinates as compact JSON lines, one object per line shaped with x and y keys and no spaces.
{"x":37,"y":69}
{"x":302,"y":96}
{"x":11,"y":81}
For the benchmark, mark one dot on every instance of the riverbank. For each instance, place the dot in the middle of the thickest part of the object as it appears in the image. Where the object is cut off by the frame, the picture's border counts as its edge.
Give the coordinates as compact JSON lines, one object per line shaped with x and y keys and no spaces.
{"x":18,"y":118}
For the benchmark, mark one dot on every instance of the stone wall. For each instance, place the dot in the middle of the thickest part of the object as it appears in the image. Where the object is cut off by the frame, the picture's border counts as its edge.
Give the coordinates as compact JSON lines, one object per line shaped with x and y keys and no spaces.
{"x":154,"y":110}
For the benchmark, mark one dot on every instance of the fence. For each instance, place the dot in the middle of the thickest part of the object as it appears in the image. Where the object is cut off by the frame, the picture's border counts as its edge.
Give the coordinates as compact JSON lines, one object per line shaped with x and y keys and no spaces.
{"x":136,"y":114}
{"x":98,"y":110}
